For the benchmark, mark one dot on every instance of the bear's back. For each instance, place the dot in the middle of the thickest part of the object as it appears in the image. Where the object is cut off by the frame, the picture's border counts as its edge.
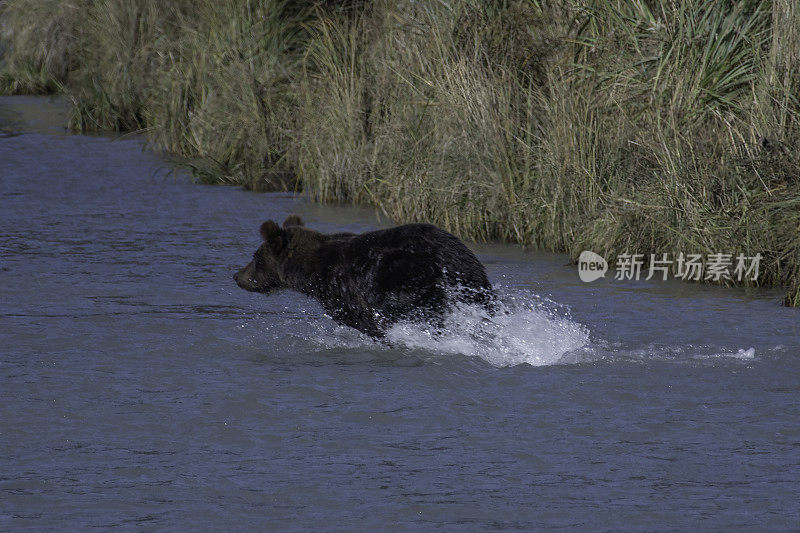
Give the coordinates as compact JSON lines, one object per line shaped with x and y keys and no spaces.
{"x":411,"y":271}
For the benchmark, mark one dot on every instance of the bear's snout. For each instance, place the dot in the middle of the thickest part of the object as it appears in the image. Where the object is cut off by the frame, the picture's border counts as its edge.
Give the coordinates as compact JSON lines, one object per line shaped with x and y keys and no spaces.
{"x":252,"y":279}
{"x":242,"y":280}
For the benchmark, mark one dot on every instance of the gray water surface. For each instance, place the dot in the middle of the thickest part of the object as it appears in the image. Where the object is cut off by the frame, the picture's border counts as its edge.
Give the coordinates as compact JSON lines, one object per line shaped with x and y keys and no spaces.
{"x":140,"y":388}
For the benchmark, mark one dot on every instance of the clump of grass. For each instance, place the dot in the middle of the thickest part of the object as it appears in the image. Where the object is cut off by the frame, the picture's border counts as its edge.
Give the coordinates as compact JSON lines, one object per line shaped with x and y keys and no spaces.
{"x":223,"y":97}
{"x":208,"y":81}
{"x":693,"y":92}
{"x":610,"y":125}
{"x":416,"y":112}
{"x":37,"y":45}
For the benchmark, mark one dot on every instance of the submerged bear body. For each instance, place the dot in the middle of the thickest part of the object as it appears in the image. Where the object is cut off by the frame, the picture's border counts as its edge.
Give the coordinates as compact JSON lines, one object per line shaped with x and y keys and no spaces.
{"x":372,"y":280}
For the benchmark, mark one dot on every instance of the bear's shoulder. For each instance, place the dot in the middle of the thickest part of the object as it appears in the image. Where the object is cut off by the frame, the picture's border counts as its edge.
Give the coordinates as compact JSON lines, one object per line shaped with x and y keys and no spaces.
{"x":402,"y":235}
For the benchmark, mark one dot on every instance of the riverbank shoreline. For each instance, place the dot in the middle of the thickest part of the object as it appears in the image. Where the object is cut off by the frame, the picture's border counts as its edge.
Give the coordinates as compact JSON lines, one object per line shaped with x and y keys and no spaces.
{"x":561,"y":126}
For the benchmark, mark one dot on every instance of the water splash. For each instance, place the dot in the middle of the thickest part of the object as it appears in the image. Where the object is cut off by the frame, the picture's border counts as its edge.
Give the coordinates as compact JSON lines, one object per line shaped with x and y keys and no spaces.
{"x":525,"y":329}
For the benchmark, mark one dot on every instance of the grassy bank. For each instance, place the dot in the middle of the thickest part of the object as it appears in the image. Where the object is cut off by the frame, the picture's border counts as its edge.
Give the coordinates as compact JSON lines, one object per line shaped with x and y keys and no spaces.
{"x":607,"y":125}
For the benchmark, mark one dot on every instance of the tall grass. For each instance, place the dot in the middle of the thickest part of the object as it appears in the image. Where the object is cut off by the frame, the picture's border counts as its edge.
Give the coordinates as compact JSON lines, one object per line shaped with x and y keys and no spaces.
{"x":38,"y":45}
{"x":610,"y":125}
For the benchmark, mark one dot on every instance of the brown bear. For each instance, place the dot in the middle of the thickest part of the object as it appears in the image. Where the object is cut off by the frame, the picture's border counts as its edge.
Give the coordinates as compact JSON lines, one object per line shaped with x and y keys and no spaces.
{"x":372,"y":280}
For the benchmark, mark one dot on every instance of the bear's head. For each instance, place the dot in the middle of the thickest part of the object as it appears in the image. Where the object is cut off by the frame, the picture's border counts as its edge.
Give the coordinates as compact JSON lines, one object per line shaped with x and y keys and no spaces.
{"x":265,"y":273}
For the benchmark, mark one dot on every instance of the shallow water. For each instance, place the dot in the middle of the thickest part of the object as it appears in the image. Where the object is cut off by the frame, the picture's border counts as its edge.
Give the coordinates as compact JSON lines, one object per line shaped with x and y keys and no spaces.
{"x":139,"y":387}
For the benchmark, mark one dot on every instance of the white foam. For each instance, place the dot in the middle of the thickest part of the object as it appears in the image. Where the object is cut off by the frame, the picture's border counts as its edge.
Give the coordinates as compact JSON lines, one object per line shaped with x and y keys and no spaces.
{"x":524,"y":330}
{"x":750,"y":353}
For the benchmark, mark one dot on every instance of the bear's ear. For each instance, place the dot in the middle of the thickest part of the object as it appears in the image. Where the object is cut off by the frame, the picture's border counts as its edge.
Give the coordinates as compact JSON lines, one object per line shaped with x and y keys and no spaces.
{"x":292,"y":220}
{"x":273,"y":235}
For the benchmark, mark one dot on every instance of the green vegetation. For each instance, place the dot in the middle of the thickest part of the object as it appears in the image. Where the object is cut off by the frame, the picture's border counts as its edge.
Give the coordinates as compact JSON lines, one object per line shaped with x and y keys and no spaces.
{"x":608,"y":125}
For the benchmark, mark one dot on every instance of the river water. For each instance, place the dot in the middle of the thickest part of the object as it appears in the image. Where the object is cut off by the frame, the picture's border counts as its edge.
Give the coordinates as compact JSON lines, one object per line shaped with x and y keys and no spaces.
{"x":140,"y":388}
